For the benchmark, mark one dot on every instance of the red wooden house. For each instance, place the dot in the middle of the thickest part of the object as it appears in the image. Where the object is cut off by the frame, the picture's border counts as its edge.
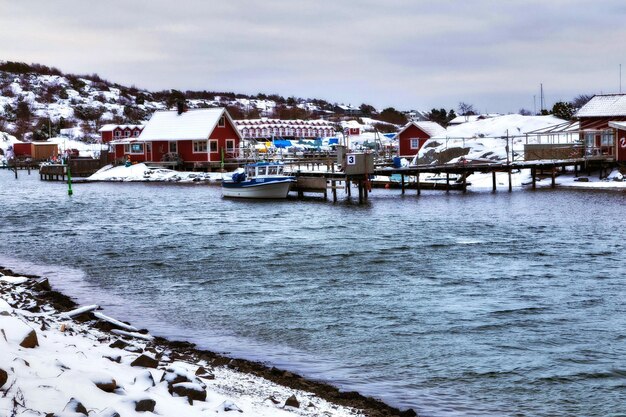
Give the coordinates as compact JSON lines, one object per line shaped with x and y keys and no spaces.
{"x":111,"y":132}
{"x":198,"y":138}
{"x":601,"y":125}
{"x":414,"y":134}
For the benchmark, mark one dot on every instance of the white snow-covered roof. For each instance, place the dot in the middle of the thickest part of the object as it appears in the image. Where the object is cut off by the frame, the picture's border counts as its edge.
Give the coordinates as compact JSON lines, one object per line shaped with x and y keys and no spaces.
{"x":618,"y":125}
{"x":430,"y":128}
{"x":189,"y":125}
{"x":111,"y":127}
{"x":604,"y":105}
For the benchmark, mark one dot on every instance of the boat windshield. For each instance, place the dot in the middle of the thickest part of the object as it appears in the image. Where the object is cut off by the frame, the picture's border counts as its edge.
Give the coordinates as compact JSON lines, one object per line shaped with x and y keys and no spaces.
{"x":250,"y":172}
{"x":272,"y":170}
{"x":261,"y":171}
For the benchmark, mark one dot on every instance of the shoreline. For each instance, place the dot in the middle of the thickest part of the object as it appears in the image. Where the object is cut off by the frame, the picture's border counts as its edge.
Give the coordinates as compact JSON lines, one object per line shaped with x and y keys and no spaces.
{"x":40,"y":296}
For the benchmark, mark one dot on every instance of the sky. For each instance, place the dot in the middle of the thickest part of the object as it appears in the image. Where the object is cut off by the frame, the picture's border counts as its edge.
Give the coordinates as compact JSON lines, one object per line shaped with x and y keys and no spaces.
{"x":415,"y":54}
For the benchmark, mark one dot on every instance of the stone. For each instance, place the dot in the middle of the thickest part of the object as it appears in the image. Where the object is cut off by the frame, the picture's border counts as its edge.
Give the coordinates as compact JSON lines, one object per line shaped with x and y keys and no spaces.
{"x":76,"y":406}
{"x":145,"y":361}
{"x":190,"y":390}
{"x":292,"y":402}
{"x":107,"y":412}
{"x":204,"y":373}
{"x":3,"y":377}
{"x":43,"y":285}
{"x":230,"y":406}
{"x":119,"y":344}
{"x":146,"y":404}
{"x":114,"y":358}
{"x":108,"y":385}
{"x":30,"y":341}
{"x":144,"y":380}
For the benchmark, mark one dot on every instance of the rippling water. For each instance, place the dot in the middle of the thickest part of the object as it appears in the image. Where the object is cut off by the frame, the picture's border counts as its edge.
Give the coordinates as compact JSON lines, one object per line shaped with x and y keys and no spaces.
{"x":475,"y":304}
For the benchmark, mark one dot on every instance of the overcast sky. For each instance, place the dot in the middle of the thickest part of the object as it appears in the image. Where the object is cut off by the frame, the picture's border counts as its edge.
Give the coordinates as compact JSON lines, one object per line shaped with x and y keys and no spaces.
{"x":406,"y":54}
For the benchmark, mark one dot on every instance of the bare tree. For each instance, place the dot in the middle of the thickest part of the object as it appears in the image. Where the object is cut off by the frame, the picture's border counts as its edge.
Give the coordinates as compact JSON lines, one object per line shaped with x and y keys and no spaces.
{"x":466,"y":109}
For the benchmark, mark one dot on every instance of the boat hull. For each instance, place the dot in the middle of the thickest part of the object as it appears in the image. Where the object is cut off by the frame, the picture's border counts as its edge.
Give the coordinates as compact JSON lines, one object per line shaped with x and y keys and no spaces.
{"x":270,"y":190}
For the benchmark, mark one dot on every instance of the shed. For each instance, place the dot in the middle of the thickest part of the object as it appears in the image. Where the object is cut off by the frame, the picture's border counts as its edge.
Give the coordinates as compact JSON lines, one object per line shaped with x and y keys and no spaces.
{"x":414,"y":134}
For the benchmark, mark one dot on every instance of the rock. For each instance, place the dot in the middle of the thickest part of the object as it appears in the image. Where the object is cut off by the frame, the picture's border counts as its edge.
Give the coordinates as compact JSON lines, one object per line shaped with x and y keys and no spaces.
{"x":107,"y":412}
{"x":118,"y":344}
{"x":43,"y":285}
{"x":204,"y":373}
{"x":114,"y":358}
{"x":273,"y":399}
{"x":3,"y":377}
{"x":230,"y":406}
{"x":292,"y":402}
{"x":145,"y":361}
{"x":146,"y":404}
{"x":30,"y":341}
{"x":190,"y":390}
{"x":76,"y":406}
{"x":408,"y":413}
{"x":174,"y":375}
{"x":106,"y":385}
{"x":144,"y":380}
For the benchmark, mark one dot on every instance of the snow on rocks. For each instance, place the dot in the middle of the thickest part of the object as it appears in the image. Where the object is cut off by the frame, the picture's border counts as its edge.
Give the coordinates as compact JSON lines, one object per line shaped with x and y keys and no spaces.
{"x":78,"y":369}
{"x":142,"y":172}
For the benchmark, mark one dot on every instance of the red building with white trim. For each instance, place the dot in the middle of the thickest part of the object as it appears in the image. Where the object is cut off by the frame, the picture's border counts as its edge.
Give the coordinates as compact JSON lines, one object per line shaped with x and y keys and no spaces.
{"x":200,"y":138}
{"x":602,"y":125}
{"x":111,"y":132}
{"x":414,"y":134}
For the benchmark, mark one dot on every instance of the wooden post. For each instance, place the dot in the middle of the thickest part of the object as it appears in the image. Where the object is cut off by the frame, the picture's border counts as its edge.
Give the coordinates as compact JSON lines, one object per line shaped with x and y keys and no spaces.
{"x":576,"y":170}
{"x":349,"y":186}
{"x":360,"y":184}
{"x":447,"y":182}
{"x":533,"y":174}
{"x":334,"y":185}
{"x":402,"y":183}
{"x":510,"y":180}
{"x":553,"y":185}
{"x":465,"y":182}
{"x":419,"y":187}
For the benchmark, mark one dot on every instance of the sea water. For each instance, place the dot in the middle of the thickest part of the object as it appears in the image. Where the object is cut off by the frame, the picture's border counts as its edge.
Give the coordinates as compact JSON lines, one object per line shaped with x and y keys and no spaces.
{"x":452,"y":304}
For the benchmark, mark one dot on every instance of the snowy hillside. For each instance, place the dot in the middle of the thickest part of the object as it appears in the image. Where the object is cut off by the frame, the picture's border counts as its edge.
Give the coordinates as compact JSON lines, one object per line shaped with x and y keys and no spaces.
{"x":37,"y":102}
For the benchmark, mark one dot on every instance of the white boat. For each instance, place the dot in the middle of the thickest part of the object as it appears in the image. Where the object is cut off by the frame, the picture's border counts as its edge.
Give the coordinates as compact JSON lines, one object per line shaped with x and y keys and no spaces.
{"x":259,"y":180}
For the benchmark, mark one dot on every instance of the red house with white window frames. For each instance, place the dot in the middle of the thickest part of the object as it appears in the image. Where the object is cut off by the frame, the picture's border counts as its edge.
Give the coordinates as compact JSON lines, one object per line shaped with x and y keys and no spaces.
{"x":603,"y":125}
{"x":111,"y":132}
{"x":414,"y":134}
{"x":201,"y":137}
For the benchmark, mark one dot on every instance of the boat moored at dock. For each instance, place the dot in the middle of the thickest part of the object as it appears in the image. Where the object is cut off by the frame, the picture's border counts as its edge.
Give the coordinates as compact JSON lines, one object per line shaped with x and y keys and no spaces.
{"x":265,"y":180}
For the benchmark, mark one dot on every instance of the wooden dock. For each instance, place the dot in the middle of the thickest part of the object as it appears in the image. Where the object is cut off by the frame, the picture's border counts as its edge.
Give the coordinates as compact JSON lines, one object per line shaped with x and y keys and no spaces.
{"x":411,"y":177}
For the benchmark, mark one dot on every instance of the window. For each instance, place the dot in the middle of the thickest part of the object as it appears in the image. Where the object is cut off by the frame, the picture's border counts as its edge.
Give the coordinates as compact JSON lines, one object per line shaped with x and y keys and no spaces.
{"x":607,"y":138}
{"x":136,"y":133}
{"x":230,"y":145}
{"x":415,"y":143}
{"x":199,"y":146}
{"x":173,"y":147}
{"x":213,"y":144}
{"x":136,"y":148}
{"x":222,"y":122}
{"x":127,"y":133}
{"x":126,"y":148}
{"x":118,"y":133}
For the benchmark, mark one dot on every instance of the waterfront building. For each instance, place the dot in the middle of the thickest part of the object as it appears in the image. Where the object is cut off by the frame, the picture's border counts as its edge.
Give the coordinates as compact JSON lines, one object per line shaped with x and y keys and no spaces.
{"x":200,"y":138}
{"x":111,"y":132}
{"x":603,"y":125}
{"x":267,"y":129}
{"x":414,"y":134}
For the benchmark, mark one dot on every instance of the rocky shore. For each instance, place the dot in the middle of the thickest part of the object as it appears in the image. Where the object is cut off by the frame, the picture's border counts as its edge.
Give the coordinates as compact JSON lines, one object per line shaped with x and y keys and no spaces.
{"x":62,"y":360}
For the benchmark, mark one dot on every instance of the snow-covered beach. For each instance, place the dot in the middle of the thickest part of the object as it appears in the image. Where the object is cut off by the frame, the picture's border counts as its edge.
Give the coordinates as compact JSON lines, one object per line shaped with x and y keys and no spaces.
{"x":61,"y":360}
